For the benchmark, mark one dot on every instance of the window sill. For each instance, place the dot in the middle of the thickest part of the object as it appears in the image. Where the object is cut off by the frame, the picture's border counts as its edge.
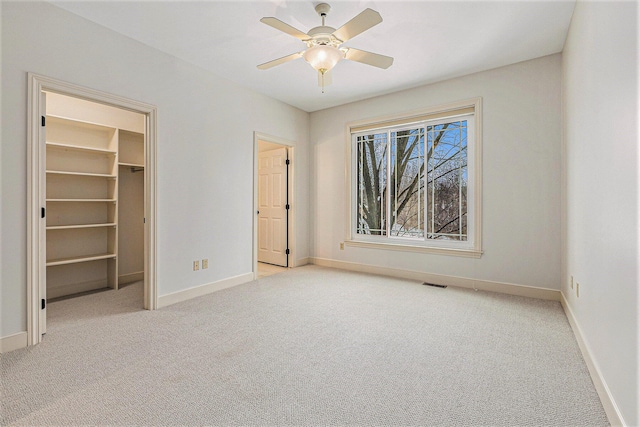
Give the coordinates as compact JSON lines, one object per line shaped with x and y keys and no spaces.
{"x":468,"y":253}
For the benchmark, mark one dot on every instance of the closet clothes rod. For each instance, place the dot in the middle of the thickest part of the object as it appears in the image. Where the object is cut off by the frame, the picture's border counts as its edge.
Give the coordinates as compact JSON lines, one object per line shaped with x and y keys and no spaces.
{"x":135,"y":169}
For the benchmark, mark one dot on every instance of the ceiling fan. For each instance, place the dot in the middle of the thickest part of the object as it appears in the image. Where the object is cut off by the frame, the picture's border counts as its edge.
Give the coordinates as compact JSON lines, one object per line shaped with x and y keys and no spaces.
{"x":323,"y":43}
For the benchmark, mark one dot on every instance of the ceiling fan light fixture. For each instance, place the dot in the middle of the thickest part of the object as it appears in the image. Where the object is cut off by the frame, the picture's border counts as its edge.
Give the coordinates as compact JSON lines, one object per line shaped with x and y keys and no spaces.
{"x":322,"y":57}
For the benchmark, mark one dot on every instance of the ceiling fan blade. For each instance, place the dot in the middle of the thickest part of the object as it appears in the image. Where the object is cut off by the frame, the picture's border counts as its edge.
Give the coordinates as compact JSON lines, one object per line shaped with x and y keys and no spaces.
{"x":326,"y":77}
{"x":279,"y":61}
{"x":284,"y":27}
{"x":375,"y":59}
{"x":360,"y":23}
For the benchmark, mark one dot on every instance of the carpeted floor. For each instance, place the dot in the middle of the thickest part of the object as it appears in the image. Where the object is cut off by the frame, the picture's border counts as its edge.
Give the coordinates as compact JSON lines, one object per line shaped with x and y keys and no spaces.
{"x":311,"y":346}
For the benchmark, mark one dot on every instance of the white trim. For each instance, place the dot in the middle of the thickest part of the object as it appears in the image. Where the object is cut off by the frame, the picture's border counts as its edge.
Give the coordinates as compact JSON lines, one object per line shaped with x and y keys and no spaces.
{"x":198,"y":291}
{"x":303,"y":261}
{"x":151,"y":210}
{"x":415,"y":115}
{"x":426,"y":246}
{"x":390,"y":245}
{"x":290,"y":146}
{"x":608,"y":402}
{"x":13,"y":342}
{"x":35,"y":239}
{"x":441,"y":279}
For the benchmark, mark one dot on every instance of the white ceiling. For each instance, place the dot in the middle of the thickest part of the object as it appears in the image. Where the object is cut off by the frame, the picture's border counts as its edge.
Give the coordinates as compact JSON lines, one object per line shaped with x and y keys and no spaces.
{"x":430,"y":40}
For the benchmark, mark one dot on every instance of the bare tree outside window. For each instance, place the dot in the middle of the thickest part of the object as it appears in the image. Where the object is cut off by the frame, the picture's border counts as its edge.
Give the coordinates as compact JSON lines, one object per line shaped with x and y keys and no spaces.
{"x":447,"y":181}
{"x":403,"y":172}
{"x":372,"y":181}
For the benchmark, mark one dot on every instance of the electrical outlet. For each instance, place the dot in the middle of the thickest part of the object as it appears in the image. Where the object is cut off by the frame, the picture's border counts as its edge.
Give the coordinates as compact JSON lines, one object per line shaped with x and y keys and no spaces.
{"x":342,"y":246}
{"x":571,"y":282}
{"x":578,"y":289}
{"x":196,"y":265}
{"x":205,"y":263}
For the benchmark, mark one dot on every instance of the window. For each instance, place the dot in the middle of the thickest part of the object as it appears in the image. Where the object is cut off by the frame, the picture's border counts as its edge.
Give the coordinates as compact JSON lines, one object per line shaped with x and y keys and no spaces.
{"x":416,"y":183}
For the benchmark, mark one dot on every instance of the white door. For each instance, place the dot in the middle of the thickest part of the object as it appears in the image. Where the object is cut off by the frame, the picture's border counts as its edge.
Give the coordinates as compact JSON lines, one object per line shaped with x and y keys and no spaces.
{"x":272,"y":207}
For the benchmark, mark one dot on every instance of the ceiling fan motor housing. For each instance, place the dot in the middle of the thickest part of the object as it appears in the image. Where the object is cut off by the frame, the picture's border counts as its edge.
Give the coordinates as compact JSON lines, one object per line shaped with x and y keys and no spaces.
{"x":323,"y":35}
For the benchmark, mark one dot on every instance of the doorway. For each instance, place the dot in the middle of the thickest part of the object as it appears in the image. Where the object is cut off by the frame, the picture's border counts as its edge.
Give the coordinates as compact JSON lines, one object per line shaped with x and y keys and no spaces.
{"x":274,"y":240}
{"x":78,"y":150}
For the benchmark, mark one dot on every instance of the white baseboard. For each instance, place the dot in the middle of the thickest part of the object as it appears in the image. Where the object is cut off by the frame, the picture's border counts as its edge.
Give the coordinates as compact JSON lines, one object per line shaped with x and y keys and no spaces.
{"x":197,"y":291}
{"x":609,"y":404}
{"x":130,"y":277}
{"x":13,"y":342}
{"x":302,"y":261}
{"x":440,"y":279}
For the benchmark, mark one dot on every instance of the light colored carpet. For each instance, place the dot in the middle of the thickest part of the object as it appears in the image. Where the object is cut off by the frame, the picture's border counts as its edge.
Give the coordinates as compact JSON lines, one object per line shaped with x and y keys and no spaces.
{"x":311,"y":346}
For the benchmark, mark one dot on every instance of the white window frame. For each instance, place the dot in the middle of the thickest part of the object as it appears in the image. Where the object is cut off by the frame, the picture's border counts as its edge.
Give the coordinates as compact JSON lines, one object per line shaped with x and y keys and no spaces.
{"x":472,"y":247}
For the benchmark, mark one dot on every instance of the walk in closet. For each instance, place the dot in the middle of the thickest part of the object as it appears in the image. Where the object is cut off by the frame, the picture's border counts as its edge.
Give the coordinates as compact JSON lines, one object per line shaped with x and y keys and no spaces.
{"x":94,"y":196}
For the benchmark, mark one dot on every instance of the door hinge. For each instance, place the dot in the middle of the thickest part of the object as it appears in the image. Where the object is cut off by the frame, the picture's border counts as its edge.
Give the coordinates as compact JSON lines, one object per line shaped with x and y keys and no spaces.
{"x":286,"y":206}
{"x":287,"y":251}
{"x":43,"y":121}
{"x":43,"y":303}
{"x":288,"y":161}
{"x":43,"y":212}
{"x":144,"y":220}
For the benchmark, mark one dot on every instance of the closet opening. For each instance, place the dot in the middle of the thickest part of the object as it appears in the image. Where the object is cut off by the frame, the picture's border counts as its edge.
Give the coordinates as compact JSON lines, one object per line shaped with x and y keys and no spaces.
{"x":274,"y":231}
{"x":92,"y":197}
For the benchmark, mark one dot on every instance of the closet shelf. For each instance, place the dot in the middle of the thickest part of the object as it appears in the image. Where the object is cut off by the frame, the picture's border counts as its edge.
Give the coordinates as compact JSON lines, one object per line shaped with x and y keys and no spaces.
{"x":78,"y":259}
{"x":96,"y":175}
{"x":56,"y":145}
{"x":82,"y":200}
{"x":90,"y":200}
{"x":73,"y":122}
{"x":76,"y":226}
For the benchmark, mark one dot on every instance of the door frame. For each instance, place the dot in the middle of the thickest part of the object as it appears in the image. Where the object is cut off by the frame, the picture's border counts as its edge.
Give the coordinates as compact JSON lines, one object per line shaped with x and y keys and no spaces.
{"x":36,"y":239}
{"x":291,"y":215}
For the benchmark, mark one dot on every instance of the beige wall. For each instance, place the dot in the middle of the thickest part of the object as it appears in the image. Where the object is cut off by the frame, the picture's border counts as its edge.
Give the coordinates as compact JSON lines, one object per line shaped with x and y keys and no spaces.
{"x":205,"y":147}
{"x":521,"y":175}
{"x":601,"y":214}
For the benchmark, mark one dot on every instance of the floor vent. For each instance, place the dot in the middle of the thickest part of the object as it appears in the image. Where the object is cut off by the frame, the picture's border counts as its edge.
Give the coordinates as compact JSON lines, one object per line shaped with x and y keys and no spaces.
{"x":434,"y":285}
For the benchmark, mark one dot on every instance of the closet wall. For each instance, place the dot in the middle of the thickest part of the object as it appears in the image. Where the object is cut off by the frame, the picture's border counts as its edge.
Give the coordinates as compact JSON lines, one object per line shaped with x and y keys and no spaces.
{"x":94,"y":196}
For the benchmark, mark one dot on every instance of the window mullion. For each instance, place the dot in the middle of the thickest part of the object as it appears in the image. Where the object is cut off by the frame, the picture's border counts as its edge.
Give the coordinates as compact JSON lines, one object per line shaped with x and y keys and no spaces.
{"x":422,"y":197}
{"x":418,"y":192}
{"x":388,"y":186}
{"x":392,"y":188}
{"x":433,"y":183}
{"x":460,"y":182}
